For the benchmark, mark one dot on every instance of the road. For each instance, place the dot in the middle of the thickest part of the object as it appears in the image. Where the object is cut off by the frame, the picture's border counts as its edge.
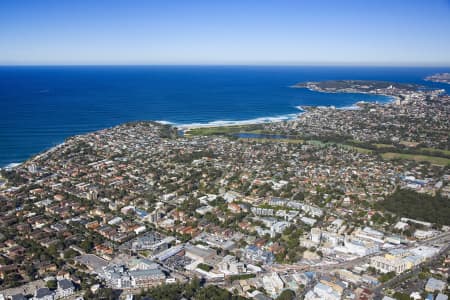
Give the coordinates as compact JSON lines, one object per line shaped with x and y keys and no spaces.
{"x":413,"y":272}
{"x":445,"y":237}
{"x":322,"y":268}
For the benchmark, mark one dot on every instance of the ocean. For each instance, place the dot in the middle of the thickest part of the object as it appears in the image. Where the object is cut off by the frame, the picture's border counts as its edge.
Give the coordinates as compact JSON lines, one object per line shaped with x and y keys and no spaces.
{"x":42,"y":106}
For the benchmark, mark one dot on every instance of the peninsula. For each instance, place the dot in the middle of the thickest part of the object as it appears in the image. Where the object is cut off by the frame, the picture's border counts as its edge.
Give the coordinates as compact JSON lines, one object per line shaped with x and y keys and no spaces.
{"x":439,"y":77}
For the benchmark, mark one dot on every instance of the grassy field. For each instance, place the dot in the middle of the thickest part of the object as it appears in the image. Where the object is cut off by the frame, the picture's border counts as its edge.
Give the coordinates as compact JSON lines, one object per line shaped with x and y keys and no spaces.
{"x":441,"y":151}
{"x":224,"y":130}
{"x":312,"y":142}
{"x":267,"y":140}
{"x":357,"y":149}
{"x":383,"y":146}
{"x":433,"y":155}
{"x":441,"y":161}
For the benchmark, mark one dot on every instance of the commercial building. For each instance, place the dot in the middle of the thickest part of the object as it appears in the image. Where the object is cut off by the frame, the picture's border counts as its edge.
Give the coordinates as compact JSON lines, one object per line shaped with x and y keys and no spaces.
{"x":386,"y":264}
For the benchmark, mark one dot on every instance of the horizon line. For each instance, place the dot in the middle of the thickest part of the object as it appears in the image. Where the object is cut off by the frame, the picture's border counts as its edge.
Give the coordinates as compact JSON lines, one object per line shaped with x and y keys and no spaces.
{"x":233,"y":65}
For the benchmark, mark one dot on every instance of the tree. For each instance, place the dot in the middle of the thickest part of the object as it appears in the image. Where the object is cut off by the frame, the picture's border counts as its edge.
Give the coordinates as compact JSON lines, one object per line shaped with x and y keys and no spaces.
{"x":192,"y":287}
{"x":410,"y":204}
{"x":101,"y":294}
{"x":386,"y":277}
{"x":401,"y":296}
{"x":51,"y":250}
{"x":213,"y":292}
{"x":87,"y":245}
{"x":286,"y":295}
{"x":51,"y":284}
{"x":70,"y":253}
{"x":88,"y":294}
{"x":12,"y":279}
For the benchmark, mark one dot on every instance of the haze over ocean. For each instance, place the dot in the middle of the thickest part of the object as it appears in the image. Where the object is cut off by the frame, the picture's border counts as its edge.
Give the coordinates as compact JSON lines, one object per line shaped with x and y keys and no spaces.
{"x":41,"y":106}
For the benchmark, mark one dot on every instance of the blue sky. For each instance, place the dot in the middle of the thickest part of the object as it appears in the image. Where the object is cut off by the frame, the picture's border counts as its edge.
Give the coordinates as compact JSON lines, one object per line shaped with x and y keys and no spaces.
{"x":316,"y":32}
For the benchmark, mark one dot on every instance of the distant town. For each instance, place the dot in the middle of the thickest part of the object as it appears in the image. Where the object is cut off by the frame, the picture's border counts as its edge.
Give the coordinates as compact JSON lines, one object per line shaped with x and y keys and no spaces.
{"x":440,"y":77}
{"x":335,"y":204}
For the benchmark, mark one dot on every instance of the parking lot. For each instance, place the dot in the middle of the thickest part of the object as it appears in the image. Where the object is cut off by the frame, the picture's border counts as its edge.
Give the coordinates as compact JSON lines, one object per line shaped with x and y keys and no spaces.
{"x":93,"y":262}
{"x":177,"y":262}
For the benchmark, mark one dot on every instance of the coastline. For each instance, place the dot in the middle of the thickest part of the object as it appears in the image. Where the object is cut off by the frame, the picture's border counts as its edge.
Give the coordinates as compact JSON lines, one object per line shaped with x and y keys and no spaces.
{"x":391,"y":98}
{"x":282,"y":118}
{"x":229,"y":123}
{"x":27,"y":129}
{"x":217,"y":123}
{"x":14,"y":165}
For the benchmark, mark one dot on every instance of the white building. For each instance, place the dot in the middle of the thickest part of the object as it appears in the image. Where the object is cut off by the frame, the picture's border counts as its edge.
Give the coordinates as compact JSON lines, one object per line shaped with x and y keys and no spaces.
{"x":358,"y":247}
{"x":322,"y":292}
{"x":230,"y":266}
{"x":332,"y":238}
{"x":369,"y":234}
{"x":335,"y":225}
{"x":385,"y":265}
{"x":231,"y":196}
{"x":279,"y":227}
{"x":308,"y":221}
{"x":424,"y":251}
{"x":316,"y":235}
{"x":44,"y":294}
{"x":273,"y":284}
{"x":65,"y":288}
{"x":401,"y":225}
{"x":424,"y":234}
{"x":435,"y":285}
{"x":115,"y":221}
{"x":204,"y":209}
{"x":441,"y":297}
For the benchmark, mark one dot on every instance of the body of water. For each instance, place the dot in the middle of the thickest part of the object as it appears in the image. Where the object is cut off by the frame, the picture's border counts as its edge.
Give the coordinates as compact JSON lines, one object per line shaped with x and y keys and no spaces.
{"x":42,"y":106}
